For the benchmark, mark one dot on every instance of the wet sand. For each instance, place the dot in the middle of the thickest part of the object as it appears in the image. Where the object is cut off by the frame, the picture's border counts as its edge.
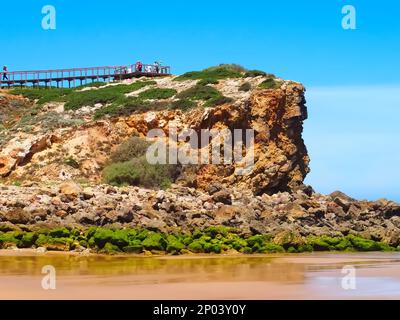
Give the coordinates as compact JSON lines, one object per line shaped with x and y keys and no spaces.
{"x":295,"y":276}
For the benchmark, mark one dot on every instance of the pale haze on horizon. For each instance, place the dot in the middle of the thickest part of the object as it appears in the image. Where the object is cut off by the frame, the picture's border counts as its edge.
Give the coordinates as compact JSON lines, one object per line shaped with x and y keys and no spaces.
{"x":352,"y":136}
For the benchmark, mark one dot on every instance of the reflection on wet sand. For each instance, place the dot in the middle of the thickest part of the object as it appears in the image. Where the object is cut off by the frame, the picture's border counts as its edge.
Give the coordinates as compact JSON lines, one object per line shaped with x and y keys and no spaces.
{"x":193,"y":277}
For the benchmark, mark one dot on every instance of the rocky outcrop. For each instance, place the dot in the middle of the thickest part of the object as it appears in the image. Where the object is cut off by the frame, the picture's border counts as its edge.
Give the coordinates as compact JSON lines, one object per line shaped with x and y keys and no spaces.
{"x":299,"y":214}
{"x":53,"y":166}
{"x":280,"y":155}
{"x":275,"y":115}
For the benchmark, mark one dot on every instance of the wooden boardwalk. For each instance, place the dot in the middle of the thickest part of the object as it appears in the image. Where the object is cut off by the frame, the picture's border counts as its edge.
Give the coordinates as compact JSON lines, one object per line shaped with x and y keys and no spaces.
{"x":79,"y":76}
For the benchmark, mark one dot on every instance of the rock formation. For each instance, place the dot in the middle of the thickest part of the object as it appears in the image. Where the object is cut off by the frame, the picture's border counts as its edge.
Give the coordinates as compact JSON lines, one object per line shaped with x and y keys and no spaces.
{"x":51,"y":162}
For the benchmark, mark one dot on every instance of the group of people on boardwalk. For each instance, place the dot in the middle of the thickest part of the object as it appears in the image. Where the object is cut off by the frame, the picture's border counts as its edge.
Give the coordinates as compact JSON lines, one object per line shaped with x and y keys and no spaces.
{"x":156,"y":68}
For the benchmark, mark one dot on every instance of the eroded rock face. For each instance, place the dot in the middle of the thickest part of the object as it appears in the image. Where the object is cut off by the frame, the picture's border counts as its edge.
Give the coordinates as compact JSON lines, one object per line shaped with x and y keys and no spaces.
{"x":281,"y":159}
{"x":275,"y":115}
{"x":19,"y":152}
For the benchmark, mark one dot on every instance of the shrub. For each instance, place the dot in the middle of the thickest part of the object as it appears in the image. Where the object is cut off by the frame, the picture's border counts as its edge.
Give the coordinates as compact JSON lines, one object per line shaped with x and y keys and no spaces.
{"x":245,"y":87}
{"x":257,"y":73}
{"x":138,"y":172}
{"x":42,"y":95}
{"x":233,"y":67}
{"x":205,"y":82}
{"x":210,"y":95}
{"x":124,"y":106}
{"x":52,"y":120}
{"x":270,"y":84}
{"x":78,"y":99}
{"x":115,"y":109}
{"x":134,"y":147}
{"x":182,"y":104}
{"x":218,"y":101}
{"x":199,"y":92}
{"x":95,"y":84}
{"x":223,"y":71}
{"x":157,"y":93}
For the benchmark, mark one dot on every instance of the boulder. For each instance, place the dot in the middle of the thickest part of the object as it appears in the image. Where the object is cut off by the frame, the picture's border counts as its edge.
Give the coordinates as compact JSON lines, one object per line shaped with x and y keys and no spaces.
{"x":70,"y":189}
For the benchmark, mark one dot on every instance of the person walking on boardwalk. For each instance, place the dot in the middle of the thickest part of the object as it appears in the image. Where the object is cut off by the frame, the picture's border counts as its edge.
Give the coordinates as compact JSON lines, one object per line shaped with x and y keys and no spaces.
{"x":5,"y":71}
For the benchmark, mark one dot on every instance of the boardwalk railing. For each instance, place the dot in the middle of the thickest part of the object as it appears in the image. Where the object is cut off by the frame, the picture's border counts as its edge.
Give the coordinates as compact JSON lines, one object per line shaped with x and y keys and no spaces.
{"x":69,"y":77}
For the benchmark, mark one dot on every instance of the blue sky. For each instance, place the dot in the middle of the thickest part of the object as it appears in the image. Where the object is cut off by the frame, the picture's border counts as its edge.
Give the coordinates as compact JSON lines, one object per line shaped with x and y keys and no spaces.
{"x":352,"y":76}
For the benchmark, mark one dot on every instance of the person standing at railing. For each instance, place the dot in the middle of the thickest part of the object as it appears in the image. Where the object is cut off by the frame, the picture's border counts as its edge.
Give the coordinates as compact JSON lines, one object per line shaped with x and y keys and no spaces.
{"x":139,"y":66}
{"x":157,"y":66}
{"x":5,"y":71}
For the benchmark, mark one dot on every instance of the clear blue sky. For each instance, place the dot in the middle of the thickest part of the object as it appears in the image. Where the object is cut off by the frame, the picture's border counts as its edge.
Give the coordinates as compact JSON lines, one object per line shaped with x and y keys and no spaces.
{"x":352,"y":76}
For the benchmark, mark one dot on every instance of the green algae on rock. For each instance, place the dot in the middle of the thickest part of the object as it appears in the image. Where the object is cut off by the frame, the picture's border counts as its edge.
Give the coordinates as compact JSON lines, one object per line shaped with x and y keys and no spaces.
{"x":216,"y":240}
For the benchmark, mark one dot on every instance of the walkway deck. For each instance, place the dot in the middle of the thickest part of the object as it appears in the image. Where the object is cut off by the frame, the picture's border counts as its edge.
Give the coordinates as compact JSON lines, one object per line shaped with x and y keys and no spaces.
{"x":70,"y":77}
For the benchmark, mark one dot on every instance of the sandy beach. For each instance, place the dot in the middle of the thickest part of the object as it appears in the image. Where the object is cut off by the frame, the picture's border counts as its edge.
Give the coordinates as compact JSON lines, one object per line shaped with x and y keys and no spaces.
{"x":301,"y":276}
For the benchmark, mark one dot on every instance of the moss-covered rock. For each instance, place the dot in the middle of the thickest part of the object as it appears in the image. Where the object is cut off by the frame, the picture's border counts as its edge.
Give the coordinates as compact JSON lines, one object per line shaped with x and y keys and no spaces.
{"x":28,"y":240}
{"x":273,"y":248}
{"x":101,"y":236}
{"x":135,"y":246}
{"x":215,"y":239}
{"x":8,"y":239}
{"x":109,"y":248}
{"x":174,"y":244}
{"x":60,"y":233}
{"x":361,"y":244}
{"x":196,"y":246}
{"x":154,"y":241}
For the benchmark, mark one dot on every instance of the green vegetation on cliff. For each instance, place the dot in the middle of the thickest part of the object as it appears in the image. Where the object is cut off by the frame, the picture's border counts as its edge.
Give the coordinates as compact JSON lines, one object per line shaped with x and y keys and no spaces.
{"x":77,"y":98}
{"x":270,"y":83}
{"x":210,"y":95}
{"x":139,"y":172}
{"x":129,"y":167}
{"x":216,"y":239}
{"x":223,"y":71}
{"x":213,"y":74}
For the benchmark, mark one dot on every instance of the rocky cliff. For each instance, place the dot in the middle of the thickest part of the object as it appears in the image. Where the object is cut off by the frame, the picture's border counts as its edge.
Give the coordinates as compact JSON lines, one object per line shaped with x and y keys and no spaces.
{"x":56,"y":144}
{"x":37,"y":150}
